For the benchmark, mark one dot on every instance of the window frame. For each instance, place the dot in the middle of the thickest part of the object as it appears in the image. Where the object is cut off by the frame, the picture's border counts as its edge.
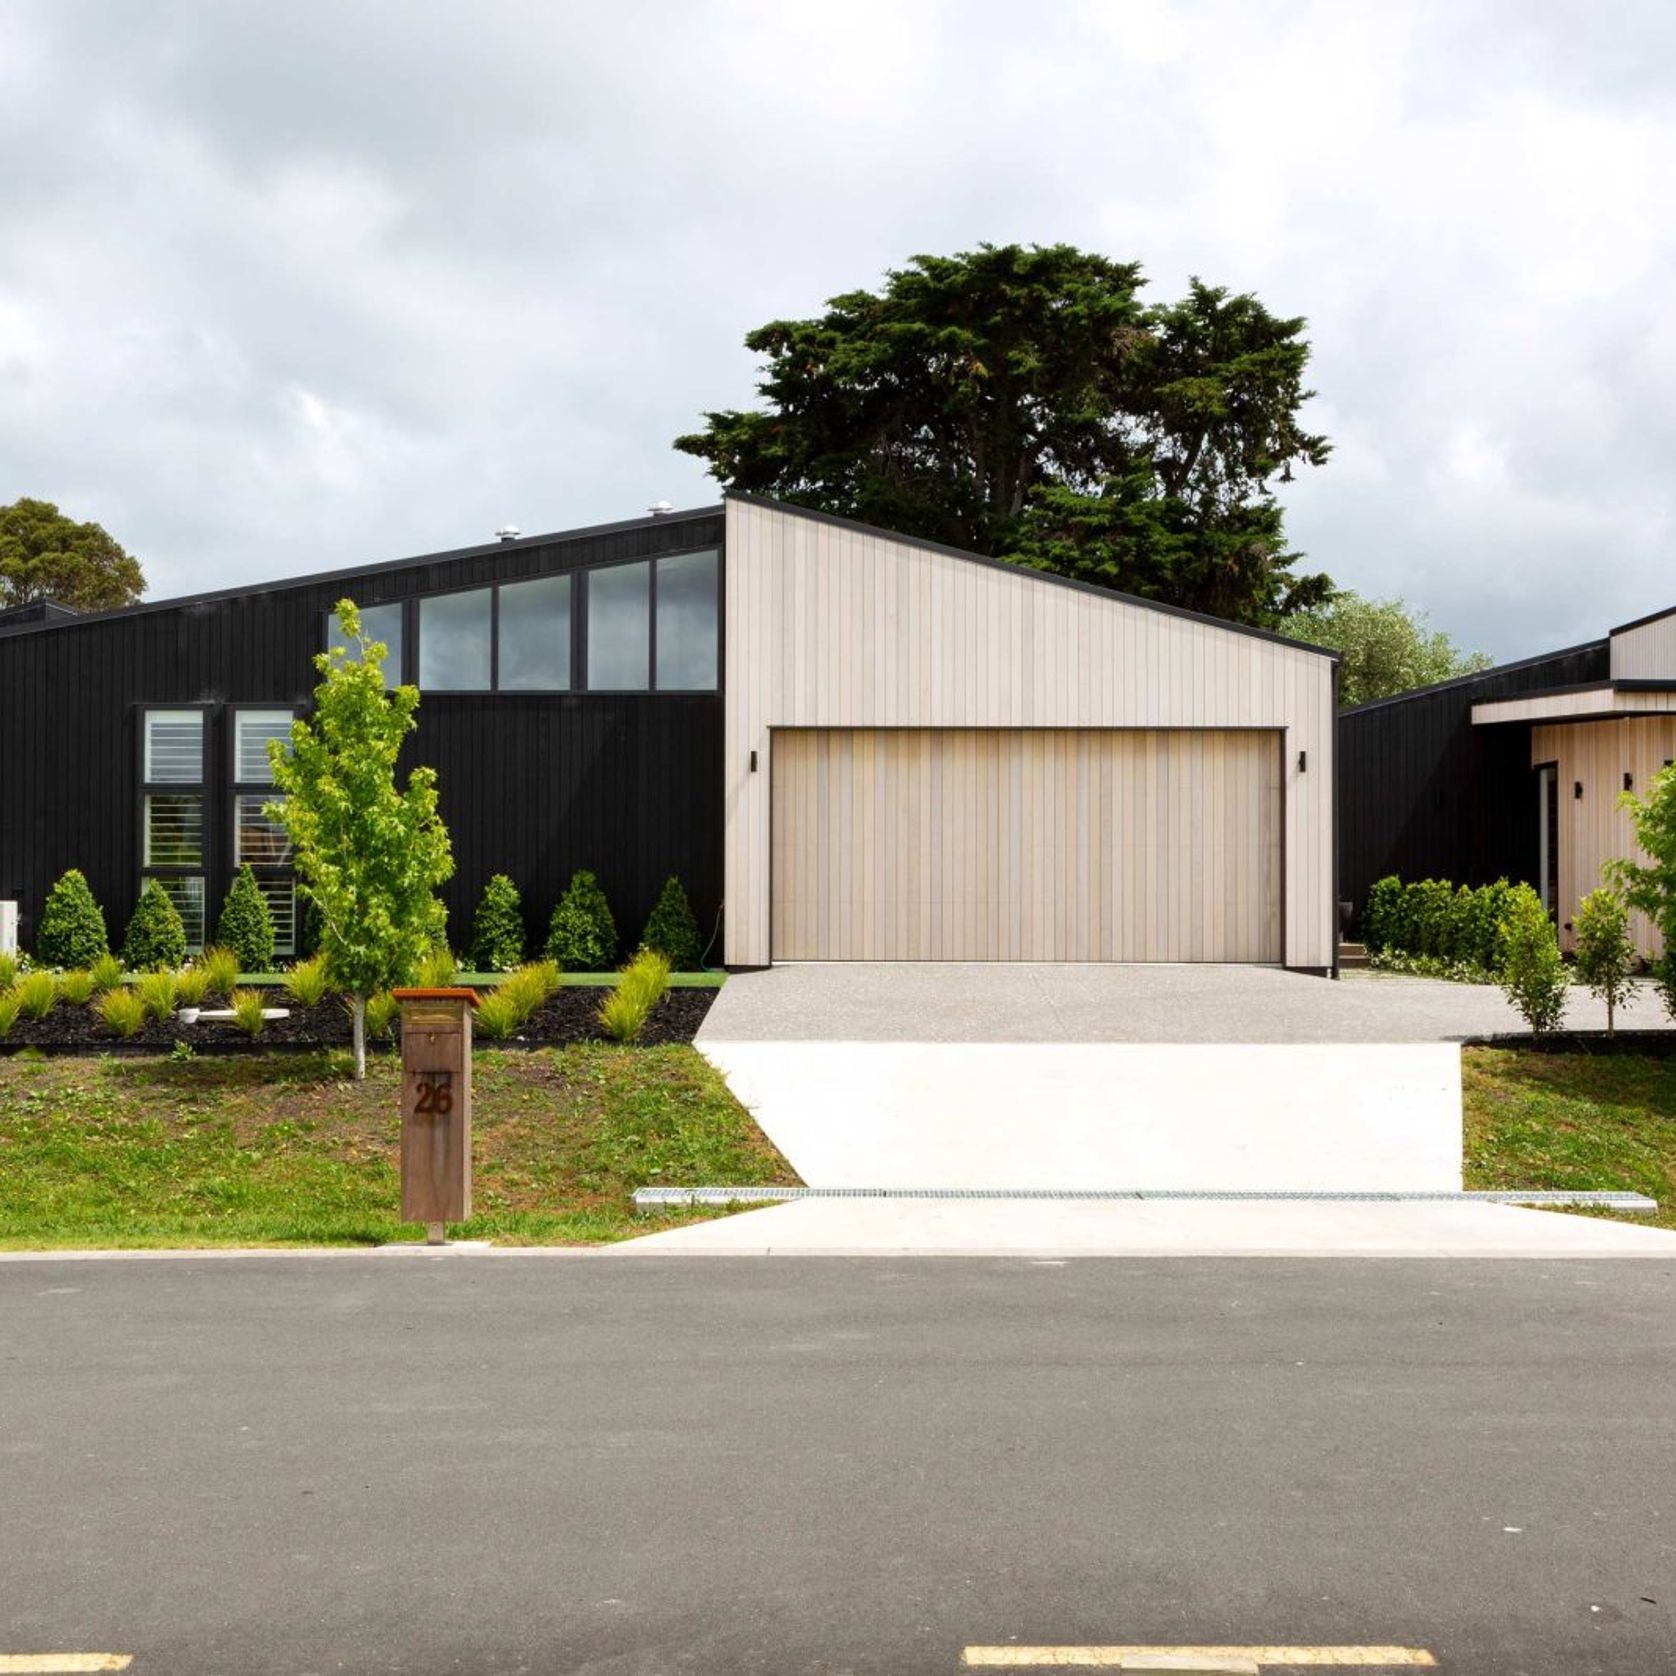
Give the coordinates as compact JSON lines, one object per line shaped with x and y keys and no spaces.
{"x":277,"y":872}
{"x":200,"y":788}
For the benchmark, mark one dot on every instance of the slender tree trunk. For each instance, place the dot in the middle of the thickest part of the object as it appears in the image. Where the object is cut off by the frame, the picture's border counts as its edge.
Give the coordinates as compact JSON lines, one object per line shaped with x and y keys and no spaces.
{"x":358,"y":1013}
{"x":1611,"y":1028}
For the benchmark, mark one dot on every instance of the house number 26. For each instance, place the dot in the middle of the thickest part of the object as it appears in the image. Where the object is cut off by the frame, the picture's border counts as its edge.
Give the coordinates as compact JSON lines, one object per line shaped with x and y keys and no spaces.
{"x":435,"y":1094}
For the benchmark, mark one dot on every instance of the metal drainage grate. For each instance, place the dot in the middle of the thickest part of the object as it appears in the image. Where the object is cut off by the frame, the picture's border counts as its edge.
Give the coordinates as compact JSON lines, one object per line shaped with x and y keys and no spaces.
{"x":656,"y":1198}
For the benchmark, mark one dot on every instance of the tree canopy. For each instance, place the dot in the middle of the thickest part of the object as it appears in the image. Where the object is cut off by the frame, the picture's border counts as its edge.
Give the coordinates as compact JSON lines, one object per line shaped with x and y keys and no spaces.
{"x":1388,"y":647}
{"x":45,"y":555}
{"x":1024,"y":403}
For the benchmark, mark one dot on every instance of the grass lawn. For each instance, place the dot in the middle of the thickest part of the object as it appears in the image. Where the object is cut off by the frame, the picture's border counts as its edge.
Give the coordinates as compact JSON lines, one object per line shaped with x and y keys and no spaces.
{"x":1572,"y":1120}
{"x":288,"y":1150}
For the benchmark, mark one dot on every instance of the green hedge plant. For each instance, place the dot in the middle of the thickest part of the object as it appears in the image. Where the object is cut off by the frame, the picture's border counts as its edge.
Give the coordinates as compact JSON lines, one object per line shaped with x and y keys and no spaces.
{"x":246,"y":925}
{"x":1605,"y":955}
{"x":672,"y":931}
{"x":497,"y":932}
{"x":72,"y":930}
{"x":156,"y":940}
{"x":1533,"y":977}
{"x":583,"y":935}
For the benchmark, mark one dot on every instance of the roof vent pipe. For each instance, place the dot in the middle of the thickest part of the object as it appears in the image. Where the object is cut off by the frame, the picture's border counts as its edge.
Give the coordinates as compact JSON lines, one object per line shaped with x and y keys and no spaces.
{"x":508,"y":532}
{"x":660,"y":509}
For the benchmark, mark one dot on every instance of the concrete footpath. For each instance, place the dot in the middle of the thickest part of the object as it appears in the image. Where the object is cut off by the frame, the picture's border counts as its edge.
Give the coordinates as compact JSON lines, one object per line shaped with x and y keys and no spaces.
{"x":1156,"y":1228}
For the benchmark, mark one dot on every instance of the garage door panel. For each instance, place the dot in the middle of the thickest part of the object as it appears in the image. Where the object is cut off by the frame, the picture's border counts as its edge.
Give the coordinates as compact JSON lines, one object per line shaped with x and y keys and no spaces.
{"x":1026,"y":844}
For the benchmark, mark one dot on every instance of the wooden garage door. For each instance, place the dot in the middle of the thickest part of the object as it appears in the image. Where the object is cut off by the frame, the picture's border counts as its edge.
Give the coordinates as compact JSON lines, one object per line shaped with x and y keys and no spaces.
{"x":1026,"y":844}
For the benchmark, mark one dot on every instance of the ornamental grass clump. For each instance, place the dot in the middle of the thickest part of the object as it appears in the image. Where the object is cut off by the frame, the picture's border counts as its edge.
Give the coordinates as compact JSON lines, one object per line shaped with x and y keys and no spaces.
{"x":439,"y":968}
{"x":9,"y":1009}
{"x":220,"y":967}
{"x":191,"y":986}
{"x":496,"y":1017}
{"x":306,"y":982}
{"x":156,"y":939}
{"x":624,"y":1011}
{"x":1534,"y":976}
{"x":72,"y":929}
{"x":529,"y":988}
{"x":1605,"y":955}
{"x":583,"y":935}
{"x":10,"y":966}
{"x":37,"y":993}
{"x":122,"y":1011}
{"x":246,"y":925}
{"x":76,"y":988}
{"x":247,"y":1012}
{"x":672,"y":931}
{"x":106,"y":973}
{"x":497,"y":932}
{"x":157,"y":992}
{"x":383,"y":1010}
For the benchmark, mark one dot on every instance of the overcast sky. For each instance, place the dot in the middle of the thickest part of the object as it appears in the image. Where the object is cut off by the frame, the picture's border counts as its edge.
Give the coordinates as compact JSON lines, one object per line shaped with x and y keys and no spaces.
{"x":284,"y":287}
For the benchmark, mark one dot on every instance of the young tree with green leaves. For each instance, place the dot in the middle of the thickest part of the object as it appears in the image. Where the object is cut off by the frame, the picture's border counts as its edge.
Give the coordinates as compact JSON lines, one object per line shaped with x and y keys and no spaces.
{"x":1605,"y":955}
{"x":1024,"y":403}
{"x":1533,"y":975}
{"x":45,"y":555}
{"x":1387,"y":647}
{"x":1651,"y":885}
{"x":370,"y":854}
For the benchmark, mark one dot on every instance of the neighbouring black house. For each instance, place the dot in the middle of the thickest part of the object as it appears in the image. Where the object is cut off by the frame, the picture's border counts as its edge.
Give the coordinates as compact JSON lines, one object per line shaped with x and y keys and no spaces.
{"x":1513,"y":772}
{"x":874,"y":747}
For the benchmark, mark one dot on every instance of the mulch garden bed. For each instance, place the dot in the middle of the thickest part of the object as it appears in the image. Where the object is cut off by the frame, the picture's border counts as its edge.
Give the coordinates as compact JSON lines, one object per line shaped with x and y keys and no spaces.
{"x":1651,"y":1044}
{"x":569,"y":1016}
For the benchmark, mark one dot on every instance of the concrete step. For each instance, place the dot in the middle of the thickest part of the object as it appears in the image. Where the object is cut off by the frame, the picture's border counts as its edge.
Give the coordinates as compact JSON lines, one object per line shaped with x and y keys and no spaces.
{"x":1352,"y":954}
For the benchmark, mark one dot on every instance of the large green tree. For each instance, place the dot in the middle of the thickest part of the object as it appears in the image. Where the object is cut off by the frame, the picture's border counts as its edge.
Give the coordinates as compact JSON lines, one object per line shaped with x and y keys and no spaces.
{"x":370,"y":854}
{"x":45,"y":555}
{"x":1023,"y":402}
{"x":1388,"y":647}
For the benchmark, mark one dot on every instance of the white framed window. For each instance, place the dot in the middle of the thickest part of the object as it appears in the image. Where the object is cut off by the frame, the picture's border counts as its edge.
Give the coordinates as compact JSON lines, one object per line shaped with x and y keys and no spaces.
{"x":253,"y":732}
{"x":174,"y":748}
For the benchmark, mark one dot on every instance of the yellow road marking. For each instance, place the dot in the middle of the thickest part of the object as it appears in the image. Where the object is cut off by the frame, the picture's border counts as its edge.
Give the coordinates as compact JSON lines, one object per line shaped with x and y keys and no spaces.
{"x":1363,"y":1658}
{"x":61,"y":1664}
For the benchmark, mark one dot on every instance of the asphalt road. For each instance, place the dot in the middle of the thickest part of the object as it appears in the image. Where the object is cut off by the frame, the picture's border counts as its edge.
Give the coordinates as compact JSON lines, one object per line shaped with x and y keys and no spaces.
{"x":531,"y":1463}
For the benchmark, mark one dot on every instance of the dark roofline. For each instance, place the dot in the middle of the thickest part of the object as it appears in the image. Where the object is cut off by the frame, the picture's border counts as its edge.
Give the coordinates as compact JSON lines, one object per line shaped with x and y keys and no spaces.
{"x":1642,"y":622}
{"x":384,"y":567}
{"x":1024,"y":570}
{"x":1484,"y":675}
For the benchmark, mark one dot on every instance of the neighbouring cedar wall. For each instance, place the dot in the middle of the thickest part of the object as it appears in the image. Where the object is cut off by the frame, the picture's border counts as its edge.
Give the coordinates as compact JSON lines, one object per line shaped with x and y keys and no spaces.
{"x":1425,"y":794}
{"x":531,"y":785}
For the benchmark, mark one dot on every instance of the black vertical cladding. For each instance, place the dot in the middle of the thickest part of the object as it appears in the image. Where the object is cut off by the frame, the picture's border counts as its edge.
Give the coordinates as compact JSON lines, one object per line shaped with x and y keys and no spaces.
{"x":1424,"y":793}
{"x":533,"y":785}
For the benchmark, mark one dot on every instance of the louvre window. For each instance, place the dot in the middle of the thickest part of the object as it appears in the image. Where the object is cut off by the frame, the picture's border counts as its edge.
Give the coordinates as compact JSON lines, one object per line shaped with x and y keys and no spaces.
{"x":253,"y":730}
{"x":187,"y":894}
{"x":174,"y":747}
{"x":687,"y":641}
{"x":455,"y":634}
{"x":535,"y":635}
{"x":620,"y":628}
{"x":281,"y":895}
{"x":174,"y":829}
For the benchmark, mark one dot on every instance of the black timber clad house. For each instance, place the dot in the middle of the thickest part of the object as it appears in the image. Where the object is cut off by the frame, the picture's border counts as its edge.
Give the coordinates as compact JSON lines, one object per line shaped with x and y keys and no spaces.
{"x":1425,"y":795}
{"x":133,"y":742}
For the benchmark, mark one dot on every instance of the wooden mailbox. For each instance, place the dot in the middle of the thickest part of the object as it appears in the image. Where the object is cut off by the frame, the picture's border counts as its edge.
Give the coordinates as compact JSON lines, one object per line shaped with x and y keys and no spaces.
{"x":436,"y":1107}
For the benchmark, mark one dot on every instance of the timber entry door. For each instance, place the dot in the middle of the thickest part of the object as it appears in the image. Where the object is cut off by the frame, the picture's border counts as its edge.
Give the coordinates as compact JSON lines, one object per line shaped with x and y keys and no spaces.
{"x":1027,"y":844}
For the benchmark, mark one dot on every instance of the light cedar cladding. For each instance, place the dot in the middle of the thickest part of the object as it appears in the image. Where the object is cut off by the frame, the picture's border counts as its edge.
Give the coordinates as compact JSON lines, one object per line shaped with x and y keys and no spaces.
{"x":1594,"y":828}
{"x":833,"y":626}
{"x":1645,"y":651}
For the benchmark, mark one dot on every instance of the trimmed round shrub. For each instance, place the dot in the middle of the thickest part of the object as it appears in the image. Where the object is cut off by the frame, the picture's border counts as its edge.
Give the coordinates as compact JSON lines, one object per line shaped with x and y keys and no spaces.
{"x":156,"y":940}
{"x":583,"y":935}
{"x":246,"y":925}
{"x":72,"y":931}
{"x":672,"y":931}
{"x":497,"y":933}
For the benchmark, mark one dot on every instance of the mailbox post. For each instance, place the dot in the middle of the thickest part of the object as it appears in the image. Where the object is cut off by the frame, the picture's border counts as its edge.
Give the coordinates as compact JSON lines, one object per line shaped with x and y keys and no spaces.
{"x":436,"y":1107}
